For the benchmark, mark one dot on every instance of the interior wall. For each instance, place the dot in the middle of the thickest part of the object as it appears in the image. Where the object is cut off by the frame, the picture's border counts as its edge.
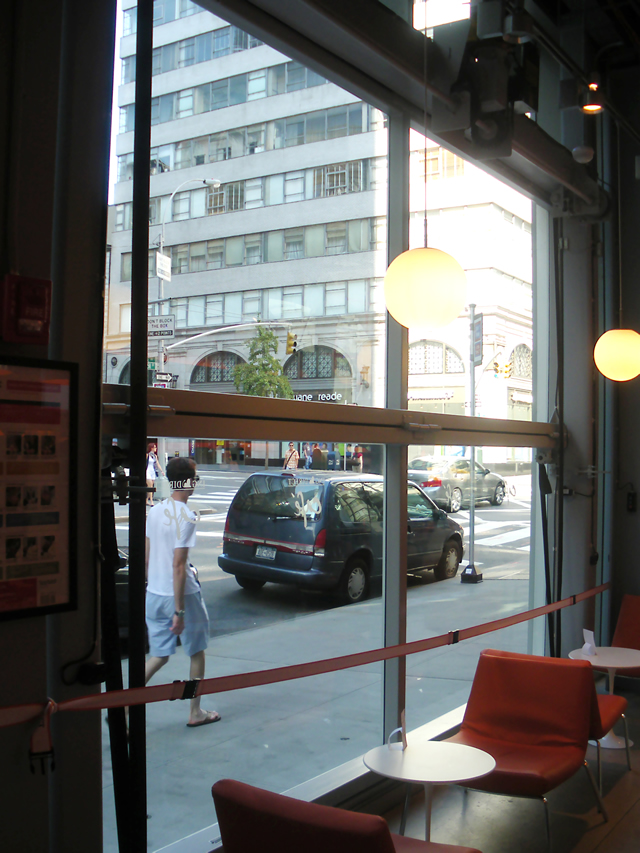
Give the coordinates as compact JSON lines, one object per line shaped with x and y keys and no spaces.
{"x":56,"y":88}
{"x":626,"y":472}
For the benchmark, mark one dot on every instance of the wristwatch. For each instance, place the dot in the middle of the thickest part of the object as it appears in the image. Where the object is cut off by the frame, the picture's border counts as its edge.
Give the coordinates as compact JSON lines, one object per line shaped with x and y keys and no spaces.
{"x":179,"y":614}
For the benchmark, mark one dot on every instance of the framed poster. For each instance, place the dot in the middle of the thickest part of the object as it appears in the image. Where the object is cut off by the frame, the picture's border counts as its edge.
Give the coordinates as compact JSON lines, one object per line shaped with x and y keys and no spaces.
{"x":38,"y":417}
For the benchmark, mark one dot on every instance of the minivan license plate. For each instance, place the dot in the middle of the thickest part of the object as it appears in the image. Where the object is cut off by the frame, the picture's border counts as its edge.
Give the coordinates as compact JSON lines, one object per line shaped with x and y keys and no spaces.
{"x":265,"y":553}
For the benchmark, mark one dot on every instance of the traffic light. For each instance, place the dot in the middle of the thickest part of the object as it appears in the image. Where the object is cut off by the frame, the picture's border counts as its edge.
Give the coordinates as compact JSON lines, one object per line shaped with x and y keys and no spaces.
{"x":508,"y":369}
{"x":496,"y":369}
{"x":292,"y":343}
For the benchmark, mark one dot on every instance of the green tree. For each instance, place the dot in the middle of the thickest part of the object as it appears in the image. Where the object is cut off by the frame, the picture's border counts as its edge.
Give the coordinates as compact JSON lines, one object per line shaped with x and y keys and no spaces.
{"x":262,"y":375}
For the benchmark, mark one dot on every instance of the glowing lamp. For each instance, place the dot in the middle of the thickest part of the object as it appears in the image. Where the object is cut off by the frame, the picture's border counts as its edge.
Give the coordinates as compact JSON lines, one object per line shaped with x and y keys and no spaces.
{"x":425,"y":287}
{"x":617,"y":354}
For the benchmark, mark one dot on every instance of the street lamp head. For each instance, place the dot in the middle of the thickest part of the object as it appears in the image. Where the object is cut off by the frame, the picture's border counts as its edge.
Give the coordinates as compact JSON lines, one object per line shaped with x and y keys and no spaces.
{"x":211,"y":182}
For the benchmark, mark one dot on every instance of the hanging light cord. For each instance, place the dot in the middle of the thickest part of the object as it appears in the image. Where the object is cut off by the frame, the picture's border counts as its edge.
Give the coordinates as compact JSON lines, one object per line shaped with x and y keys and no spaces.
{"x":619,"y":167}
{"x":426,"y":241}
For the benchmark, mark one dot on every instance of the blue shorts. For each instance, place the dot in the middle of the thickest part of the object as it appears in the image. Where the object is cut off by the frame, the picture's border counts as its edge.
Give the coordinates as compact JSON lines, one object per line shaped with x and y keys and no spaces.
{"x":159,"y":619}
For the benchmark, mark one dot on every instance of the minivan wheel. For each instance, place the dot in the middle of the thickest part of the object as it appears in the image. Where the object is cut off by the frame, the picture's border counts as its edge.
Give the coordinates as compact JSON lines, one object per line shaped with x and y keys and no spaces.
{"x":251,"y":584}
{"x":455,"y":500}
{"x":449,"y":561}
{"x":498,"y":496}
{"x":354,"y":583}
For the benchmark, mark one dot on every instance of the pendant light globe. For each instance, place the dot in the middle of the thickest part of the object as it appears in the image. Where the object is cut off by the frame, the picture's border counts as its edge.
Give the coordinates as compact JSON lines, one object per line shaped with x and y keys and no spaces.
{"x":425,"y":287}
{"x":617,"y":354}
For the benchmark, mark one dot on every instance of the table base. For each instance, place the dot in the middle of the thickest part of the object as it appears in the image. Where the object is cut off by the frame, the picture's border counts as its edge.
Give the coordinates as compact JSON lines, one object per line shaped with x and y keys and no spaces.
{"x":612,"y":741}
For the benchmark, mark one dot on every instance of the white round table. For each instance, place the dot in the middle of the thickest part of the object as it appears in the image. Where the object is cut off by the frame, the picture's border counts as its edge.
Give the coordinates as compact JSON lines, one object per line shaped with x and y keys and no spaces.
{"x":430,"y":763}
{"x":610,"y":658}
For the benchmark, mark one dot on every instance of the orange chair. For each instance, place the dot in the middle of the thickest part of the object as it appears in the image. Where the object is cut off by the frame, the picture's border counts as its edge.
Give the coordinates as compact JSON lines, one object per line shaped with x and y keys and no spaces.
{"x":252,"y":819}
{"x":627,"y":633}
{"x":606,"y":710}
{"x":533,"y":715}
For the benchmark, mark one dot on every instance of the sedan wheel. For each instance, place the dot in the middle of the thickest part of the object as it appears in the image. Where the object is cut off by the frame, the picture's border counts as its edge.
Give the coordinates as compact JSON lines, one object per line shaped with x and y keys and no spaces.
{"x":354,"y":583}
{"x":450,"y":561}
{"x":498,"y":496}
{"x":455,"y":501}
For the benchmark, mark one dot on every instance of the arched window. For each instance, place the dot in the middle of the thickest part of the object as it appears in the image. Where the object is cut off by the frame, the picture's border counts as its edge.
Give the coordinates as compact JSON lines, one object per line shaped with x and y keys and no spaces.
{"x":522,"y":361}
{"x":433,"y":357}
{"x":317,"y":363}
{"x":125,"y":375}
{"x":215,"y":367}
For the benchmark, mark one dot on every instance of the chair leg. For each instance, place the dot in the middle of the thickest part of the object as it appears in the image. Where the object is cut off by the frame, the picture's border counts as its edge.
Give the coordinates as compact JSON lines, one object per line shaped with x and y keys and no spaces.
{"x":626,"y":740}
{"x":403,"y":819}
{"x":547,"y":822}
{"x":599,"y":766}
{"x":601,"y":807}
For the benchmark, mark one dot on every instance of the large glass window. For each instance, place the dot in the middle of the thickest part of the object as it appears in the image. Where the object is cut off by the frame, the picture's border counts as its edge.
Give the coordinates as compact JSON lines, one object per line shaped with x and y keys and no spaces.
{"x":276,"y":291}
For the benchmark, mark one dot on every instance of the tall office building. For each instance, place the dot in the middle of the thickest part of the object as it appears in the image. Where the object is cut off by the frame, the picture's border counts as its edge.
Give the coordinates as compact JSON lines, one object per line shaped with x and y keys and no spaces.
{"x":269,"y":195}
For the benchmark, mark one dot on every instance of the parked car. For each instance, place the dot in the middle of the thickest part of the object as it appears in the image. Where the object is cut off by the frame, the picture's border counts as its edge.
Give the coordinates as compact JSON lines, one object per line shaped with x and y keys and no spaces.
{"x":447,"y":481}
{"x":324,"y":531}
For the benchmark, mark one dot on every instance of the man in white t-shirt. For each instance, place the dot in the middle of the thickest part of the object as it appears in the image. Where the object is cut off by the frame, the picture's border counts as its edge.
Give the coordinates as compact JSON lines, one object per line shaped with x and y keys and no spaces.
{"x":174,"y":605}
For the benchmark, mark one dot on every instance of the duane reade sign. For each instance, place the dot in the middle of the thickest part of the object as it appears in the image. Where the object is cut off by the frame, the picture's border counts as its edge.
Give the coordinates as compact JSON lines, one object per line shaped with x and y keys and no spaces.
{"x":162,"y":327}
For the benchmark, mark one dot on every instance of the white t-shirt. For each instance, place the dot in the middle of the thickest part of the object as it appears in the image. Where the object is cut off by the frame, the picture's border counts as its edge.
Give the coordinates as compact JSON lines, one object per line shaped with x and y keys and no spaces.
{"x":170,"y":525}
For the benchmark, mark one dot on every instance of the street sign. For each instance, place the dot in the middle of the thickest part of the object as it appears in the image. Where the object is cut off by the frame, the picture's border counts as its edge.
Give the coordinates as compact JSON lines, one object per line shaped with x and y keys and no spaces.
{"x":477,"y":340}
{"x":151,"y":364}
{"x":164,"y":377}
{"x":163,"y":266}
{"x":163,"y":326}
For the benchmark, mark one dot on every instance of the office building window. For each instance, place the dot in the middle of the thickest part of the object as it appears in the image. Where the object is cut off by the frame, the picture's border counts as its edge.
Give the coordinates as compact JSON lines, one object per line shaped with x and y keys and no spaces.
{"x":127,"y":118}
{"x":317,"y":362}
{"x":292,"y":244}
{"x":216,"y":367}
{"x":267,"y":136}
{"x":433,"y":357}
{"x":522,"y":362}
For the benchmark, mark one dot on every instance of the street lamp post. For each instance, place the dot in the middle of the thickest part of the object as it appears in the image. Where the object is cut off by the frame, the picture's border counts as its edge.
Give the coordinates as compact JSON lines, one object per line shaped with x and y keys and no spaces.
{"x":207,"y":182}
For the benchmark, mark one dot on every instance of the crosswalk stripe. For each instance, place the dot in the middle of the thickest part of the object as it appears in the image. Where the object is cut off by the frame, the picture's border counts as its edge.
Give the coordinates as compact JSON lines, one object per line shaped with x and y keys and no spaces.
{"x":503,"y":538}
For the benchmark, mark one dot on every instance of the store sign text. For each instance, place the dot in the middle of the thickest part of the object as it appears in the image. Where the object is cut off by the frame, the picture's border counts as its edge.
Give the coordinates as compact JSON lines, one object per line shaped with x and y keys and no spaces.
{"x":334,"y":397}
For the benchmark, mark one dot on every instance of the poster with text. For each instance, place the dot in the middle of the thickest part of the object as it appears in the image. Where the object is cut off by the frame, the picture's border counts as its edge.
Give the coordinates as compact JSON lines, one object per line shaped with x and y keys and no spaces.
{"x":37,"y":487}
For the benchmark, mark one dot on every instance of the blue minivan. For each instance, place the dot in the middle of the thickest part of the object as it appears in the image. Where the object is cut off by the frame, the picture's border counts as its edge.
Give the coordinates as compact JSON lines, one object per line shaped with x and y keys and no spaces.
{"x":322,"y":530}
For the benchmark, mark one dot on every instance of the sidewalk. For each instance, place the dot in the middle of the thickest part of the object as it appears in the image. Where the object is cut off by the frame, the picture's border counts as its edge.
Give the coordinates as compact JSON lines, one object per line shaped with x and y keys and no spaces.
{"x":281,"y":735}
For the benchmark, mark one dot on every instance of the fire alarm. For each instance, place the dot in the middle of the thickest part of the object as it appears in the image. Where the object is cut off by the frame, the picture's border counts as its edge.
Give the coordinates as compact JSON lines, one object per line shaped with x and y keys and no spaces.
{"x":26,"y":309}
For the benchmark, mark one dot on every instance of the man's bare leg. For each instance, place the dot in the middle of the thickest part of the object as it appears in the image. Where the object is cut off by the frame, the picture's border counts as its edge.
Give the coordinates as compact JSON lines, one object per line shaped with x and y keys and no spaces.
{"x":152,"y":665}
{"x":196,"y":670}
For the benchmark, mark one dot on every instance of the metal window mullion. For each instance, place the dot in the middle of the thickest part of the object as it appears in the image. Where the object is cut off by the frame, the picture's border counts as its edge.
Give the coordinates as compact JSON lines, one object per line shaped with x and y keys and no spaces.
{"x":395,"y":464}
{"x":138,"y":427}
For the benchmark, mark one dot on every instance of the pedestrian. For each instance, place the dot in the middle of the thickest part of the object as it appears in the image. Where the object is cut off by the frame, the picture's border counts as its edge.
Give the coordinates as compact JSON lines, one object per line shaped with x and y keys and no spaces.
{"x":174,"y":605}
{"x":308,"y":458}
{"x":316,"y":457}
{"x":153,"y":469}
{"x":356,"y":459}
{"x":292,"y":457}
{"x":348,"y":453}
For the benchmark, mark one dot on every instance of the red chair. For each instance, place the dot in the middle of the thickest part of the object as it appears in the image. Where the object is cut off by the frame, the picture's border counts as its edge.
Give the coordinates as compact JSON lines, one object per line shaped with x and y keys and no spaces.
{"x":251,"y":819}
{"x":533,"y":715}
{"x":627,"y":633}
{"x":606,"y":710}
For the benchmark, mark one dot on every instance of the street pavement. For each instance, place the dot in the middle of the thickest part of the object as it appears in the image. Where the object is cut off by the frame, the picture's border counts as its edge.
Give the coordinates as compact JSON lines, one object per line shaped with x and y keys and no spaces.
{"x":279,"y":736}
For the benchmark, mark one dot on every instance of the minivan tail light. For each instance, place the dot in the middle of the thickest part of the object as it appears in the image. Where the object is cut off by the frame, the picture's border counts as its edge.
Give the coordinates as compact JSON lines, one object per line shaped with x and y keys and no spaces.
{"x":321,"y":541}
{"x":435,"y":481}
{"x":226,"y":528}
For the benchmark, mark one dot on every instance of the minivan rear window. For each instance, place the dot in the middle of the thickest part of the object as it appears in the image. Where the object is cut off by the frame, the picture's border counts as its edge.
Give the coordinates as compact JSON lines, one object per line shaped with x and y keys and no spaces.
{"x":280,"y":497}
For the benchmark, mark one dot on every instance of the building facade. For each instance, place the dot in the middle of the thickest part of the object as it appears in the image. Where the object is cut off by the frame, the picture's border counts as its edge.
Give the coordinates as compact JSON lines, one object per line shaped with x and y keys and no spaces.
{"x":269,"y":196}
